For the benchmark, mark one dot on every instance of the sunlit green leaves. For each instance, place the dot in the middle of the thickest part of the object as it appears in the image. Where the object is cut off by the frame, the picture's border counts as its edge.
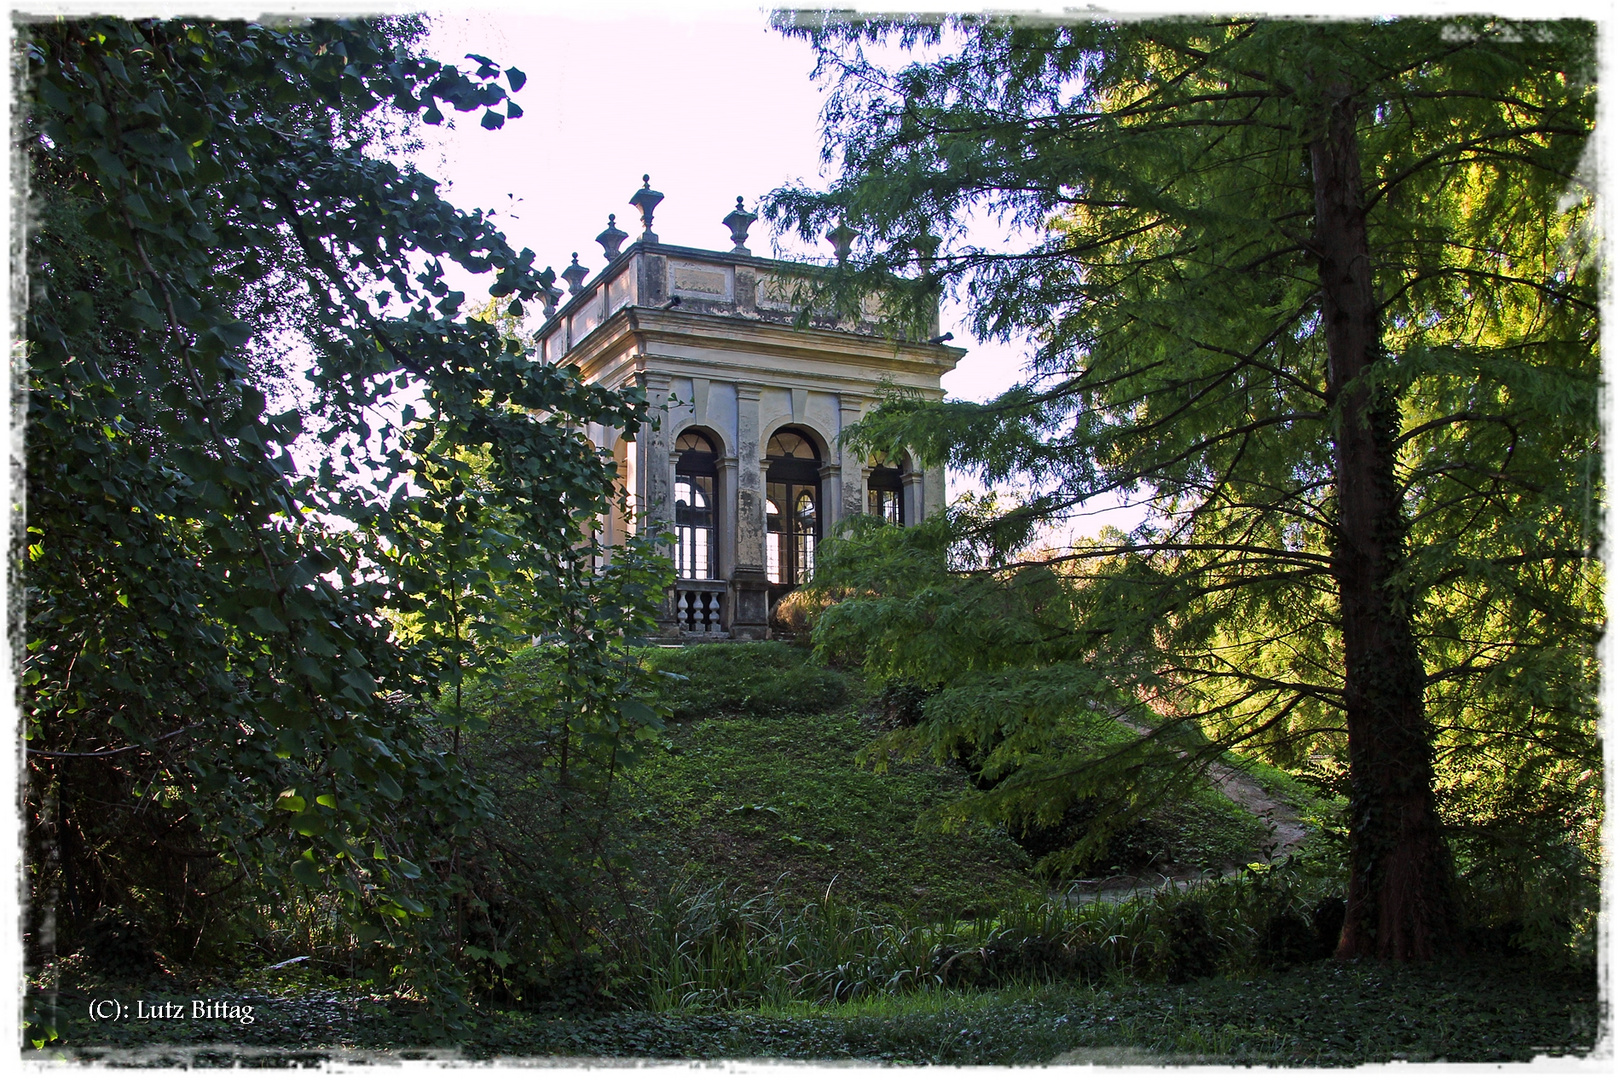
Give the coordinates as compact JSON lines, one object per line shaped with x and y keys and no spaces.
{"x":1170,"y":286}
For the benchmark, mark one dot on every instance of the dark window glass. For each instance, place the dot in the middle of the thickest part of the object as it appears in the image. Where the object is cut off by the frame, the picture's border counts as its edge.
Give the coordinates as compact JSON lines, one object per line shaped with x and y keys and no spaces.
{"x":792,"y":507}
{"x":883,"y":494}
{"x":694,"y":507}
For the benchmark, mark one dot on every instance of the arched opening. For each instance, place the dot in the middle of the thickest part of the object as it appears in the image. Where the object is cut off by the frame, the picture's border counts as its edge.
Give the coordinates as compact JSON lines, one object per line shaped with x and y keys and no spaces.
{"x":885,"y":491}
{"x":792,"y":508}
{"x":695,"y":483}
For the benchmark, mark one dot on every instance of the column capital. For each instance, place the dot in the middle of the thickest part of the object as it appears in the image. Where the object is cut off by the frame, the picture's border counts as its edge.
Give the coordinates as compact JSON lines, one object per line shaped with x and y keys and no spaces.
{"x":748,"y":391}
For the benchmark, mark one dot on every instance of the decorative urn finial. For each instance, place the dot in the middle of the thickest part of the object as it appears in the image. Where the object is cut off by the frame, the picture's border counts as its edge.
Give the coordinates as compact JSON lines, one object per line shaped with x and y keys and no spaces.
{"x":738,"y":222}
{"x":610,"y":238}
{"x":552,"y":295}
{"x":841,"y":236}
{"x":644,"y":200}
{"x":575,"y":275}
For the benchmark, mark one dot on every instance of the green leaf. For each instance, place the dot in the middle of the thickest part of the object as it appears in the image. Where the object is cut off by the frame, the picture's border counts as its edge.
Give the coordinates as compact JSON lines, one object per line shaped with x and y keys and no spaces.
{"x":266,"y":620}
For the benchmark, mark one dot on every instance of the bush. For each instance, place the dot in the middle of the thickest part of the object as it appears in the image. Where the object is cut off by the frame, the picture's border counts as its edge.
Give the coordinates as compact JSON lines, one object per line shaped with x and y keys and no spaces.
{"x":543,"y":876}
{"x":794,"y":616}
{"x":1527,"y":886}
{"x":760,"y":678}
{"x":900,"y":703}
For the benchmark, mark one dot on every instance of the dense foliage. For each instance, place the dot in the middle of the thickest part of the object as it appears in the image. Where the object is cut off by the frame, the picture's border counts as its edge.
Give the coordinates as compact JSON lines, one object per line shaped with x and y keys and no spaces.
{"x":1321,"y":298}
{"x":282,"y":495}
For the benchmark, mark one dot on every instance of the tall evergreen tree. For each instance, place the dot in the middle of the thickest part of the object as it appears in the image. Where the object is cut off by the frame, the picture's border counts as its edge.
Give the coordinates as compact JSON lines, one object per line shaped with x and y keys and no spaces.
{"x":1321,"y":295}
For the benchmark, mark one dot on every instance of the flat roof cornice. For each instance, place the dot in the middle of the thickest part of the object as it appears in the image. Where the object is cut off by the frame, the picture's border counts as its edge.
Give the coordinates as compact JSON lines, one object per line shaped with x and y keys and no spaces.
{"x":647,"y":327}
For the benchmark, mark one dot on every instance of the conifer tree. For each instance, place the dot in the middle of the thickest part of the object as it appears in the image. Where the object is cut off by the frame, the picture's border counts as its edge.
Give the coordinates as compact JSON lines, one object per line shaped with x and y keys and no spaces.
{"x":1320,"y":294}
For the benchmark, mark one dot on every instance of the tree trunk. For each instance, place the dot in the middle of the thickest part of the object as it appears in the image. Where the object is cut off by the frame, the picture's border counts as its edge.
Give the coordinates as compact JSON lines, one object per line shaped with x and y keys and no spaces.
{"x":1400,"y":875}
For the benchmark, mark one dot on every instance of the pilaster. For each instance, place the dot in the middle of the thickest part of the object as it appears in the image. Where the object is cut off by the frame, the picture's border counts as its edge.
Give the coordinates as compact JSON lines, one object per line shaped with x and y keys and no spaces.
{"x":852,"y":479}
{"x":656,"y":475}
{"x":912,"y":502}
{"x":725,"y":522}
{"x":750,"y":608}
{"x":933,"y":491}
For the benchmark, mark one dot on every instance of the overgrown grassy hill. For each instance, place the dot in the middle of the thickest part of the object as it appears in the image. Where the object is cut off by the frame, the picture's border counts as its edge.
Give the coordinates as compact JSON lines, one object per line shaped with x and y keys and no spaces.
{"x":793,"y":909}
{"x":758,"y":786}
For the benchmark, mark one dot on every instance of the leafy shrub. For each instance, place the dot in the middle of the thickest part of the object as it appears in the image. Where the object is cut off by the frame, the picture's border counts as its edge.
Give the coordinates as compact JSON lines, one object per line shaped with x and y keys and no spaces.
{"x":900,"y":703}
{"x":762,"y":678}
{"x":794,"y":616}
{"x":1526,"y":884}
{"x":118,"y":947}
{"x":542,"y":876}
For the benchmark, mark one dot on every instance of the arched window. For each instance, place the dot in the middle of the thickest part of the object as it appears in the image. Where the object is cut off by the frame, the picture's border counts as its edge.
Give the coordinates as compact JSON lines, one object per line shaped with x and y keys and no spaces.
{"x":884,"y":492}
{"x":804,"y":532}
{"x":694,"y":506}
{"x":792,"y":507}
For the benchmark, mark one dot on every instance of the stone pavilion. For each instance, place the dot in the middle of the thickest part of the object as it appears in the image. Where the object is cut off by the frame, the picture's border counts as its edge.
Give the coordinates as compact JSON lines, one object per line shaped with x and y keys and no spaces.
{"x":745,"y":466}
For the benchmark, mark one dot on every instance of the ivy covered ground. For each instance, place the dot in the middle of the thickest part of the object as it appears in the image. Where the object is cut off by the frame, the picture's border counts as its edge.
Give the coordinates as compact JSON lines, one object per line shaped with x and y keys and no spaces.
{"x":1326,"y":1014}
{"x":760,"y":784}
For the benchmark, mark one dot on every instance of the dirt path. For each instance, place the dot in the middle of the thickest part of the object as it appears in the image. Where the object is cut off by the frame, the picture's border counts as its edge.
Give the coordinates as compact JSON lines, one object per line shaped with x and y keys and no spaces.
{"x":1286,"y":834}
{"x":1287,"y":831}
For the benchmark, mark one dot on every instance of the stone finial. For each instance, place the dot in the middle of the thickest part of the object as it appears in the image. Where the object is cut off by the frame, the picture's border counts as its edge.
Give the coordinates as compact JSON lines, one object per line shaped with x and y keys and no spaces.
{"x":738,"y":222}
{"x":610,"y":238}
{"x":644,"y":200}
{"x":575,"y":275}
{"x":552,"y":295}
{"x":841,"y":236}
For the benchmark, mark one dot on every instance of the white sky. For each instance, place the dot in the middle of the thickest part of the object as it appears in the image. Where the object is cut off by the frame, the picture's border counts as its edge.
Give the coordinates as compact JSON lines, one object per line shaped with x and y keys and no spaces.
{"x":712,"y":104}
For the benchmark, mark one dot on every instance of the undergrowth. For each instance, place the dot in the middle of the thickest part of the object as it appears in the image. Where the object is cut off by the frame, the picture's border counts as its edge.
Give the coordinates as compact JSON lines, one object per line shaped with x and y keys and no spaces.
{"x":785,"y":904}
{"x":727,"y":948}
{"x":754,"y":678}
{"x":780,"y":806}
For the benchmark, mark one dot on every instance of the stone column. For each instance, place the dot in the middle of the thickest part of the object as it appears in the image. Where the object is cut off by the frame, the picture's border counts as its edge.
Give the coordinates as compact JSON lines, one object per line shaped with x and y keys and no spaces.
{"x":657,"y":504}
{"x":725,"y":519}
{"x":658,"y":511}
{"x":832,"y":504}
{"x":750,"y":608}
{"x":851,"y":465}
{"x":933,"y":491}
{"x":911,"y":496}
